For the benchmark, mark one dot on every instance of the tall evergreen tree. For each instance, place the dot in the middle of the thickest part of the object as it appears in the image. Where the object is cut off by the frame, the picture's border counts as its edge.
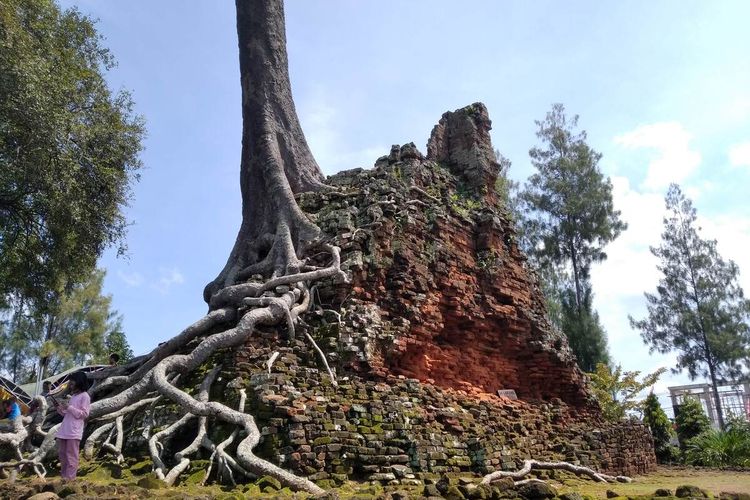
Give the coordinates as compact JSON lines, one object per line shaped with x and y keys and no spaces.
{"x":17,"y":333}
{"x":505,"y":186}
{"x":661,"y":427}
{"x":586,"y":336}
{"x":115,"y":341}
{"x":567,"y":211}
{"x":78,"y":329}
{"x":699,"y":309}
{"x":690,"y":421}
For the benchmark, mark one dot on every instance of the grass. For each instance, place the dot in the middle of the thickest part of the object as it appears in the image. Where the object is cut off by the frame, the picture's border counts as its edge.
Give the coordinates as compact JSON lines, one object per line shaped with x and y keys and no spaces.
{"x":712,"y":480}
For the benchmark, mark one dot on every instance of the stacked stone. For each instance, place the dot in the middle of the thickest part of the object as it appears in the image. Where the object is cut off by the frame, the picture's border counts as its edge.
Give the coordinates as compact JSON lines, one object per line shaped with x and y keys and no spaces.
{"x":402,"y":430}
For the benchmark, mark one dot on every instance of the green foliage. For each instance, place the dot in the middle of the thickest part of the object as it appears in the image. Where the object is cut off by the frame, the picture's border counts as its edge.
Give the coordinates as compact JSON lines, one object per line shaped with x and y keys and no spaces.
{"x":489,"y":261}
{"x":715,"y":448}
{"x":586,"y":335}
{"x":617,"y":391}
{"x":505,"y":187}
{"x":115,"y":342}
{"x":699,"y":309}
{"x":567,"y":212}
{"x":552,"y":281}
{"x":690,"y":420}
{"x":17,"y":332}
{"x":661,"y":428}
{"x":78,"y":329}
{"x":463,"y":204}
{"x":565,"y":217}
{"x":68,"y":150}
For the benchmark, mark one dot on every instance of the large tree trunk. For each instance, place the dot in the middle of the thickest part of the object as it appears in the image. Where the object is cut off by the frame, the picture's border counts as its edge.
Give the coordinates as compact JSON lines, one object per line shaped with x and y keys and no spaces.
{"x":273,"y":237}
{"x":276,"y":161}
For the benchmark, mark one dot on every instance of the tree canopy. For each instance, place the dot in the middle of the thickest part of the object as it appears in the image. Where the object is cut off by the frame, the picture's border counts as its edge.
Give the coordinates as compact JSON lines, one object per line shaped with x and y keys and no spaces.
{"x":79,"y":329}
{"x":586,"y":335}
{"x":568,"y":201}
{"x":566,"y":217}
{"x":69,"y":150}
{"x":699,"y":309}
{"x":690,"y":420}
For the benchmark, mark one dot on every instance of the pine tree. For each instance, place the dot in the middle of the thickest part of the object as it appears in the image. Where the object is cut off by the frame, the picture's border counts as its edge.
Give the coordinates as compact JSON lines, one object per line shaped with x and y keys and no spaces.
{"x":78,"y":329}
{"x":661,"y":427}
{"x":586,"y":335}
{"x":699,"y":309}
{"x":690,"y":420}
{"x":115,"y":341}
{"x":566,"y":217}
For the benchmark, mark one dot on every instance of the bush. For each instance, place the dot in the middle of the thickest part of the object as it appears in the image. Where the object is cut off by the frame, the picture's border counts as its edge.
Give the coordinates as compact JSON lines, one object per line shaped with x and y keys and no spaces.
{"x":690,"y":421}
{"x":661,"y":428}
{"x":721,"y":448}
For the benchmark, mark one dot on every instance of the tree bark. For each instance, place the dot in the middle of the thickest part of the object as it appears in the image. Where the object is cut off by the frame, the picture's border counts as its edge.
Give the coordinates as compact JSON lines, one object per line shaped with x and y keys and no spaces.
{"x":276,"y":161}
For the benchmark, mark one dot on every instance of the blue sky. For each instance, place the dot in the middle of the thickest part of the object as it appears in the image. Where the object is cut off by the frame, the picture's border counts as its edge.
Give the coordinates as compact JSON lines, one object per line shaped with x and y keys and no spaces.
{"x":662,"y":88}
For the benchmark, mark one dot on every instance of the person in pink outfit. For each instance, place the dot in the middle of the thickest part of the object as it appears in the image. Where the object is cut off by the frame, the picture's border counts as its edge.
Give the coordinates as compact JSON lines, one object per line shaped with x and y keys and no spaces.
{"x":70,"y":433}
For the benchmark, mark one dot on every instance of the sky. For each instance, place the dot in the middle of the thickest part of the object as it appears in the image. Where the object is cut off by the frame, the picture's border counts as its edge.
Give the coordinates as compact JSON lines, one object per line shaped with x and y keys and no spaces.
{"x":662,"y":89}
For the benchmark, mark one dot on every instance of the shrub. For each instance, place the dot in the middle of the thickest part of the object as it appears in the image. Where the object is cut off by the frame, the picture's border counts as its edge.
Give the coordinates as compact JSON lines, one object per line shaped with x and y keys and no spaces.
{"x":721,"y":448}
{"x":661,"y":428}
{"x":690,"y":421}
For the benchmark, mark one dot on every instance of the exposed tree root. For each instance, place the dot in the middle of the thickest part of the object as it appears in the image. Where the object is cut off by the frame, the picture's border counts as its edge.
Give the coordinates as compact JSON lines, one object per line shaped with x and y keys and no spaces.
{"x":529,"y":465}
{"x":88,"y":447}
{"x":278,"y":301}
{"x":217,"y":451}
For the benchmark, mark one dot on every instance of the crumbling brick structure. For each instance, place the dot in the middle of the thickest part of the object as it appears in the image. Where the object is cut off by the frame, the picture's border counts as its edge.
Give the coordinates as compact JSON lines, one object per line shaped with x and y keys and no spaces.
{"x":440,"y":313}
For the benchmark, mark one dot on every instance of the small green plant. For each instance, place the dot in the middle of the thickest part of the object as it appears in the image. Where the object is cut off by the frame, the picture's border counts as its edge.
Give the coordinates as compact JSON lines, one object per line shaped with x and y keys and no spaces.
{"x":434,"y":191}
{"x":715,"y":448}
{"x":690,"y":420}
{"x":397,"y":173}
{"x":489,"y":261}
{"x":463,"y":205}
{"x":617,"y":391}
{"x":431,"y":251}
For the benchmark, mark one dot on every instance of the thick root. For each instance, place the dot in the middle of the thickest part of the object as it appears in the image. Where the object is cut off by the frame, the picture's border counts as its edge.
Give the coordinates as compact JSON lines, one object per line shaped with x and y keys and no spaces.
{"x":529,"y":465}
{"x":249,"y":305}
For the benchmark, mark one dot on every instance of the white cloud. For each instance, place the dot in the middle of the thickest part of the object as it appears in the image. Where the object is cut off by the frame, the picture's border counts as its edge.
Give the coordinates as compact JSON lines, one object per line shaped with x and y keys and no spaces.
{"x":322,"y":122}
{"x":732,"y":234}
{"x":739,"y":155}
{"x":133,"y":279}
{"x":630,"y":266}
{"x":630,"y":270}
{"x":675,"y":160}
{"x":168,"y":278}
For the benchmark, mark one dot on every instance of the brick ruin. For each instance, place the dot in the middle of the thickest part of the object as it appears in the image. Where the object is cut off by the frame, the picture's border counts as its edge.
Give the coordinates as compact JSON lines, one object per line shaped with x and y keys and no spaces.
{"x":440,"y":313}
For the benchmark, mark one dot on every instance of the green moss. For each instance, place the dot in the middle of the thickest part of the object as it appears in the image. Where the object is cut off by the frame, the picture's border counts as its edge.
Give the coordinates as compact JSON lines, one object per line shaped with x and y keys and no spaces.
{"x":268,"y":482}
{"x":151,"y":482}
{"x":141,"y":468}
{"x":322,"y":440}
{"x":195,"y":478}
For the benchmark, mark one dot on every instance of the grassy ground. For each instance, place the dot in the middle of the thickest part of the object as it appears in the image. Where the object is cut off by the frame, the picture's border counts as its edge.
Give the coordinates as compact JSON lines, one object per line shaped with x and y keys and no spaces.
{"x":713,"y":481}
{"x":95,"y":486}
